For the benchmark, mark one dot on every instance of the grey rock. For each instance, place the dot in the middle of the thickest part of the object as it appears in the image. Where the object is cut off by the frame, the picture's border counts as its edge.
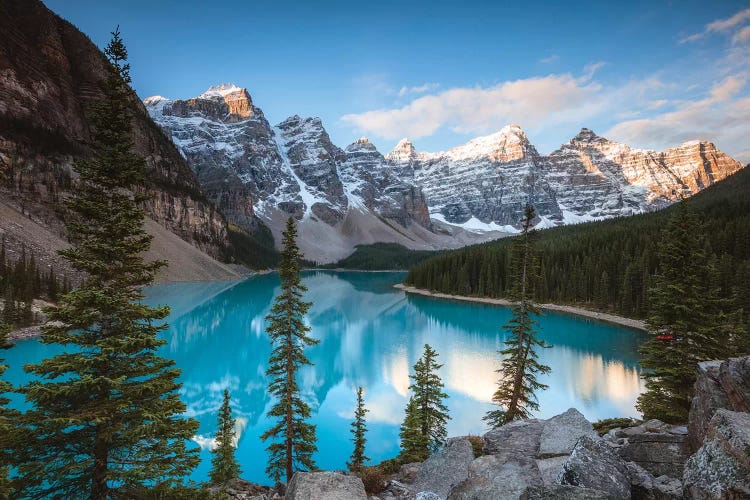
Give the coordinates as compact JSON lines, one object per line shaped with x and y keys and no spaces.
{"x":594,"y":464}
{"x":561,"y":433}
{"x":660,"y":453}
{"x":709,"y":396}
{"x":560,"y":492}
{"x":658,"y":447}
{"x":427,"y":495}
{"x":550,"y":468}
{"x":734,"y":377}
{"x":239,"y":489}
{"x":721,"y":467}
{"x":506,"y":475}
{"x":644,"y":486}
{"x":396,"y":489}
{"x":408,"y":472}
{"x":720,"y":384}
{"x":446,"y":468}
{"x":521,"y":436}
{"x":325,"y":485}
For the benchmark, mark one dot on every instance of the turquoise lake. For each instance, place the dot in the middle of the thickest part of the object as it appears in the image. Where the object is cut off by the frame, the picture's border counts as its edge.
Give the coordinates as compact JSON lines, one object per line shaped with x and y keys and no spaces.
{"x":370,"y":335}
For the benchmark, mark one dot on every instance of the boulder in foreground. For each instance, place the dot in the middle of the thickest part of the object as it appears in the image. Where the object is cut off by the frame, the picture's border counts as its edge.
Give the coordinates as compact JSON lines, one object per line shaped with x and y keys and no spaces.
{"x":325,"y":485}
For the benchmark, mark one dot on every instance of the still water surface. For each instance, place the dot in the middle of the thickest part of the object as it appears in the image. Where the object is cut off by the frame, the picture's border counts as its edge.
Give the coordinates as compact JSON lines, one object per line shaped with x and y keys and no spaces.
{"x":370,"y":335}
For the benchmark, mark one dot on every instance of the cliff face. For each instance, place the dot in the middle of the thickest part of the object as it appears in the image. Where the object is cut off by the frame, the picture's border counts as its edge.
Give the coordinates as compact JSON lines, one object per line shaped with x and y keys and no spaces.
{"x":50,"y":74}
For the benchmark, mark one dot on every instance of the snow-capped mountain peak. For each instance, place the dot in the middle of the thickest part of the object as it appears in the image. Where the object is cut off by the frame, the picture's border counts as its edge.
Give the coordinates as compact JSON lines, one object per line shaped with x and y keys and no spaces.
{"x":361,"y":144}
{"x":221,"y":91}
{"x":403,"y":152}
{"x":508,"y":144}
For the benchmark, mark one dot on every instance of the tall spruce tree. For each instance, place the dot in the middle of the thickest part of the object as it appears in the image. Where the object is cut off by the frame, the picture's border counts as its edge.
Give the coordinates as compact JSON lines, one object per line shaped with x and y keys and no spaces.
{"x":359,"y":428}
{"x":414,"y":445}
{"x":686,"y":321}
{"x":516,"y":392}
{"x":293,"y":438}
{"x":224,"y":466}
{"x":106,"y":411}
{"x":427,"y":390}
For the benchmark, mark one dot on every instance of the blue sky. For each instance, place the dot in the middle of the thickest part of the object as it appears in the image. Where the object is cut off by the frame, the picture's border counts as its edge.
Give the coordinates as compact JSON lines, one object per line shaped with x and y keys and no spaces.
{"x":651,"y":74}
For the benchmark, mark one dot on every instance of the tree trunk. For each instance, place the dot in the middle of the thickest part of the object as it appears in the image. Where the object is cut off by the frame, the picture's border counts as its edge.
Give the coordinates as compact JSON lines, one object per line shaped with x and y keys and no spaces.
{"x":289,"y":408}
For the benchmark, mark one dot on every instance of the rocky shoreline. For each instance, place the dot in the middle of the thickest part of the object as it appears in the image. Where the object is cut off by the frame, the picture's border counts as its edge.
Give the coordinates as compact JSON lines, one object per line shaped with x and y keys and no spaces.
{"x":564,"y":458}
{"x":577,"y":311}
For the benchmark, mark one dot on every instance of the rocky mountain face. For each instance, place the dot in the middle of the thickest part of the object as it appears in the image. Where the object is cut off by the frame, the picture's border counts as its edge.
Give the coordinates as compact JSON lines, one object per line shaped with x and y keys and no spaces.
{"x":249,"y":168}
{"x":50,"y":75}
{"x":487,"y":182}
{"x":471,"y":193}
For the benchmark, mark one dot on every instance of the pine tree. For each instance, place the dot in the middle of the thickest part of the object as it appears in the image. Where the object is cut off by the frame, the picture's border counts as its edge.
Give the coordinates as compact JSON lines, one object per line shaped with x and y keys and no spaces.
{"x":685,"y":321}
{"x":414,"y":444}
{"x":293,"y":439}
{"x":106,"y":412}
{"x":516,"y":393}
{"x":430,"y":412}
{"x":224,"y":466}
{"x":359,"y":428}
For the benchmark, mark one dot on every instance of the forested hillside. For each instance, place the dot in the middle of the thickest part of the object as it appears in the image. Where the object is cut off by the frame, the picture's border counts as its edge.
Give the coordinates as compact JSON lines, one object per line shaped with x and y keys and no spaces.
{"x":21,"y":281}
{"x":382,"y":257}
{"x":607,"y":265}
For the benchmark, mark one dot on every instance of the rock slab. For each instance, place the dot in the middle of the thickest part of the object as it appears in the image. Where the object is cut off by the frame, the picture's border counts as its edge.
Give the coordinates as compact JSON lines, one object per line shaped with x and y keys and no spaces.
{"x":561,"y":433}
{"x":505,"y":476}
{"x":521,"y":436}
{"x":594,"y":464}
{"x":644,"y":486}
{"x":721,"y":467}
{"x":445,"y":469}
{"x":325,"y":485}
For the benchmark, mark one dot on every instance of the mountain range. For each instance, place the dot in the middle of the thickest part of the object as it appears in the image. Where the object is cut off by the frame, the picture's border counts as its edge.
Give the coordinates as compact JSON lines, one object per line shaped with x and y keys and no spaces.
{"x":475,"y":192}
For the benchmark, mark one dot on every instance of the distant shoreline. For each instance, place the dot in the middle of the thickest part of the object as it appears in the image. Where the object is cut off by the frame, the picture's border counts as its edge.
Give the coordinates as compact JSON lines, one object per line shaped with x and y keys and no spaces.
{"x":635,"y":324}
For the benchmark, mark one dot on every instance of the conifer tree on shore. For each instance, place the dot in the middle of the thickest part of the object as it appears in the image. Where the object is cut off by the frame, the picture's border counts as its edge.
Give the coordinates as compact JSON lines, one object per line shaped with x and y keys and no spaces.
{"x":423,"y":430}
{"x":359,"y":428}
{"x":224,"y":466}
{"x":106,"y":412}
{"x":292,"y":437}
{"x":518,"y":383}
{"x":414,"y":444}
{"x":687,"y":322}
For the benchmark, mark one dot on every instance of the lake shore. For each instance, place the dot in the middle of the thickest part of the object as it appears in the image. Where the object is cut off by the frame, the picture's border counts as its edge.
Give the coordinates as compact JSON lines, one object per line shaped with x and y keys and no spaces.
{"x":577,"y":311}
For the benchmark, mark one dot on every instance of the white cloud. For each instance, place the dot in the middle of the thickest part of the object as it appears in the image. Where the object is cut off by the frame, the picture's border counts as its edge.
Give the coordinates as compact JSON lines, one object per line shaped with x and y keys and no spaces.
{"x":729,"y":23}
{"x":658,"y":103}
{"x":727,"y":88}
{"x":743,"y":35}
{"x":419,"y":89}
{"x":723,"y":26}
{"x":719,"y":116}
{"x":590,"y":70}
{"x":531,"y":101}
{"x":549,"y":59}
